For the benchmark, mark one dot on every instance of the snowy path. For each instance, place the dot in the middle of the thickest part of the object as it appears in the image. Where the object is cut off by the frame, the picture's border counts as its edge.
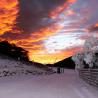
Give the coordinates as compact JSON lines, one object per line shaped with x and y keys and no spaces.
{"x":65,"y":85}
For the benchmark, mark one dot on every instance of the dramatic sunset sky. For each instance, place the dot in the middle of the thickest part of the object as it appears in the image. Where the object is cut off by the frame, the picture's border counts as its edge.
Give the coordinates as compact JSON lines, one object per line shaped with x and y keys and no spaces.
{"x":50,"y":30}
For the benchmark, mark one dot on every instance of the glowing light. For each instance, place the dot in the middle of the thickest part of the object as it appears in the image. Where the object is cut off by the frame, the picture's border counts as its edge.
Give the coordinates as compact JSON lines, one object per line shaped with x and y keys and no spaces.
{"x":72,"y":1}
{"x":96,"y":25}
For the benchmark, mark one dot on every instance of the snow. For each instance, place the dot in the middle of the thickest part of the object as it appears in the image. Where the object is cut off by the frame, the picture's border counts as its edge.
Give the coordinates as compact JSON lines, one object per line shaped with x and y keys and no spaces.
{"x":66,"y":85}
{"x":10,"y":67}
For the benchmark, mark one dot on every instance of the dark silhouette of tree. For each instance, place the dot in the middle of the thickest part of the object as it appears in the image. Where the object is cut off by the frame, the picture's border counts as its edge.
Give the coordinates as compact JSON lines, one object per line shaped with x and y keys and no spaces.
{"x":13,"y":51}
{"x":17,"y":53}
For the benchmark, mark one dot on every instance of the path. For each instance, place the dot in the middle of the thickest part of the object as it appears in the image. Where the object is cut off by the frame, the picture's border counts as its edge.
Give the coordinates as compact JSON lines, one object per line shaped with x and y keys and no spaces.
{"x":65,"y":85}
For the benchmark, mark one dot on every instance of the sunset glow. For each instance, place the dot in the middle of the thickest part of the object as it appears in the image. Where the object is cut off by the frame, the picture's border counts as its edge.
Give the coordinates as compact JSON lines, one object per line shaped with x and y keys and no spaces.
{"x":52,"y":32}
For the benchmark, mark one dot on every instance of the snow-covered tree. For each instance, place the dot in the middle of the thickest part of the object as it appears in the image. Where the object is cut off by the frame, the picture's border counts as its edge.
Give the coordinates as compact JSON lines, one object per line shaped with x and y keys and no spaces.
{"x":89,"y":58}
{"x":91,"y":44}
{"x":95,"y":57}
{"x":90,"y":54}
{"x":90,"y":49}
{"x":78,"y":59}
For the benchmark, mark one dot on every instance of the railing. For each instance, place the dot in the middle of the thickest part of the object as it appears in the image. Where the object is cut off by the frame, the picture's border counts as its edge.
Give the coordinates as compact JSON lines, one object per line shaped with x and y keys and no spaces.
{"x":90,"y":76}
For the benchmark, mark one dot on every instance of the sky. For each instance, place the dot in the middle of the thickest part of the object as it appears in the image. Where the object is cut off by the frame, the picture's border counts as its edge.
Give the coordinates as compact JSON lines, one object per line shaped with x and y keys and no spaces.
{"x":50,"y":30}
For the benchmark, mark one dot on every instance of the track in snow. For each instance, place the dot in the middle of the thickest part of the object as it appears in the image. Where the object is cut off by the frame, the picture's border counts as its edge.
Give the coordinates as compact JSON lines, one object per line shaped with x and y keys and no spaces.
{"x":65,"y":85}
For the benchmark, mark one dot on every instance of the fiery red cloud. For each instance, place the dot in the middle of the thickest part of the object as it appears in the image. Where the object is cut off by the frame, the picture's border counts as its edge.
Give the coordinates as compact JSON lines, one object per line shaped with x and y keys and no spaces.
{"x":61,"y":33}
{"x":8,"y":15}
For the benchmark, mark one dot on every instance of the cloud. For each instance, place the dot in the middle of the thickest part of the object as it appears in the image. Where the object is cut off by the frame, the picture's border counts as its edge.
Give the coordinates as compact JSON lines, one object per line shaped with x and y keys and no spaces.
{"x":41,"y":25}
{"x":32,"y":13}
{"x":8,"y":14}
{"x":93,"y":28}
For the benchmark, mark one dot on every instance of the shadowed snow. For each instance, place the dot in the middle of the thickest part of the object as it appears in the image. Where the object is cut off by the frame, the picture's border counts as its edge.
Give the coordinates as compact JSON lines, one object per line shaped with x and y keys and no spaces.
{"x":66,"y":85}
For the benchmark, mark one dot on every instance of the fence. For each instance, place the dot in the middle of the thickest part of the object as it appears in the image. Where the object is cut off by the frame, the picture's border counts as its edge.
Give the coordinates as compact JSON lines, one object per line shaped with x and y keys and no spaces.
{"x":90,"y":76}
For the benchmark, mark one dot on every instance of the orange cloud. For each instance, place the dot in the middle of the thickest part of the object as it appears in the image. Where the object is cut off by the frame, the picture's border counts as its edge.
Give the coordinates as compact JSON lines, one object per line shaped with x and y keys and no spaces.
{"x":59,"y":9}
{"x":34,"y":42}
{"x":43,"y":57}
{"x":96,"y":25}
{"x":72,"y":1}
{"x":8,"y":15}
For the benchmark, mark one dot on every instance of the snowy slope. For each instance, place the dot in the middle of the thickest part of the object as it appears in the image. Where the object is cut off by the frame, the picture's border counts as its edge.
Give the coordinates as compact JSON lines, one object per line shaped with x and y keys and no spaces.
{"x":11,"y":67}
{"x":66,"y":85}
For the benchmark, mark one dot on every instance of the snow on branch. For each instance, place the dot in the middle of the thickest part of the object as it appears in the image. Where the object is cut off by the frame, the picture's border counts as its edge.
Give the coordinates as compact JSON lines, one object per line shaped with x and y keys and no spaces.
{"x":89,"y":57}
{"x":91,"y":44}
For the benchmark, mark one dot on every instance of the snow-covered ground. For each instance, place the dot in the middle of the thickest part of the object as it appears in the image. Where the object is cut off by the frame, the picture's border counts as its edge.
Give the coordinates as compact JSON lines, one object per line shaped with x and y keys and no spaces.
{"x":11,"y":67}
{"x":66,"y":85}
